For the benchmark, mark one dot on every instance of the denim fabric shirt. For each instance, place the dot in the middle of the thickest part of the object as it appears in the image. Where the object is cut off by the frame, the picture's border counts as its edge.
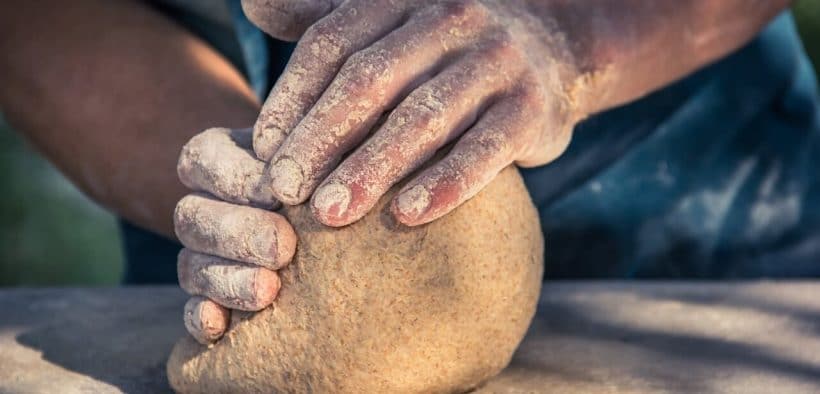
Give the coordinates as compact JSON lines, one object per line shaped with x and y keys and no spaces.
{"x":713,"y":176}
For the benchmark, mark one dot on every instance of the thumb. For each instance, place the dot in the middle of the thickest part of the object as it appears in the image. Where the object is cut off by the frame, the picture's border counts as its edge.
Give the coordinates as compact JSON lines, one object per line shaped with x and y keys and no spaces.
{"x":286,"y":19}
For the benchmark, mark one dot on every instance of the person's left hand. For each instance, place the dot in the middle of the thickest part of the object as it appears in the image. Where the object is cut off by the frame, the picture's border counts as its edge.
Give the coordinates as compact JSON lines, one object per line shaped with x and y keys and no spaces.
{"x":234,"y":242}
{"x":485,"y":75}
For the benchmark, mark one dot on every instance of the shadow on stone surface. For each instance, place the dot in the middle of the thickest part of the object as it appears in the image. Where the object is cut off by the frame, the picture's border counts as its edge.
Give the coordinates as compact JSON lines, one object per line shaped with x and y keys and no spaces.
{"x":116,"y":341}
{"x":587,"y":337}
{"x":681,"y":337}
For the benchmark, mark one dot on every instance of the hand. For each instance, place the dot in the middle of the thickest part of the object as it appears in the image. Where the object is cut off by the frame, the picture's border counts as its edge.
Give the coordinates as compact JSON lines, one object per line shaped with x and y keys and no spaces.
{"x":233,"y":242}
{"x":484,"y":75}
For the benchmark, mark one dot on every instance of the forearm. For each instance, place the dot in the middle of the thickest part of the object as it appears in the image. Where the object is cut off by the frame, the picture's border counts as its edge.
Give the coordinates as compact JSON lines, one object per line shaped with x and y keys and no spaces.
{"x":110,"y":92}
{"x":623,"y":50}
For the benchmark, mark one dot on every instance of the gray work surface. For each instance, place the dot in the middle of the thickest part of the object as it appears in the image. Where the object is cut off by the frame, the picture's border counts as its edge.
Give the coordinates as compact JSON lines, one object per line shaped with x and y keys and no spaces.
{"x":588,"y":337}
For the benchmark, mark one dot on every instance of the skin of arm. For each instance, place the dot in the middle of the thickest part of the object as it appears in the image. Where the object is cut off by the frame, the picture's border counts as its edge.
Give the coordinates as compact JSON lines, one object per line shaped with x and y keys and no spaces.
{"x":624,"y":50}
{"x":376,"y":87}
{"x":110,"y":91}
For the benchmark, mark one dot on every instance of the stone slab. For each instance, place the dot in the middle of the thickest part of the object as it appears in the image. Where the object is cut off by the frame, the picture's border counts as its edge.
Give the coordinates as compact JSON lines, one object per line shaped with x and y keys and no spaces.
{"x":588,"y":337}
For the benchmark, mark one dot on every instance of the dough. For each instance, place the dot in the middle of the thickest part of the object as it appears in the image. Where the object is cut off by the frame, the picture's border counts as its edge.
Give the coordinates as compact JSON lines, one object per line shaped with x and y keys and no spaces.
{"x":377,"y":307}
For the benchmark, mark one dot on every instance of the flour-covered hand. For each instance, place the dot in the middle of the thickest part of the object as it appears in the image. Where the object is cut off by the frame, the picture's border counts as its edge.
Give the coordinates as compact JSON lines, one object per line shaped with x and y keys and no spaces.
{"x":376,"y":87}
{"x":233,"y":242}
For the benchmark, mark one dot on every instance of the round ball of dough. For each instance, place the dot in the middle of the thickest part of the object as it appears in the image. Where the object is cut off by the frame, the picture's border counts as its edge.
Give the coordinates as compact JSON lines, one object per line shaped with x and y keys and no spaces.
{"x":377,"y":307}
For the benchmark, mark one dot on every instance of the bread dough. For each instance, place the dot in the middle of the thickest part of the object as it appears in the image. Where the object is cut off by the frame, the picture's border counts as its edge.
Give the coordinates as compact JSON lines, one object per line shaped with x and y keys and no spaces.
{"x":377,"y":307}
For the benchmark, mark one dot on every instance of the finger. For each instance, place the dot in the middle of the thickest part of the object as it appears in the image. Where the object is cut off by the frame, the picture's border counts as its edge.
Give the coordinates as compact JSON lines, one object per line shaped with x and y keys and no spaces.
{"x":235,"y":232}
{"x":315,"y":61}
{"x":426,"y":120}
{"x":205,"y":320}
{"x":500,"y":136}
{"x":218,"y":161}
{"x":229,"y":283}
{"x":370,"y":81}
{"x":286,"y":19}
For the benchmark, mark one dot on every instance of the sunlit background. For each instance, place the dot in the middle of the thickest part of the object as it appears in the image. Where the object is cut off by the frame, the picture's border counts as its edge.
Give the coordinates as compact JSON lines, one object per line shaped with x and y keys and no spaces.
{"x":51,"y":234}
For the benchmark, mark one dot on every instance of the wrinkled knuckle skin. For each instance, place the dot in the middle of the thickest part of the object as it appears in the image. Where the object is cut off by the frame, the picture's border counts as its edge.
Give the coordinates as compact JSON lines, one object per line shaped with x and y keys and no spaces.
{"x":186,"y":155}
{"x":532,"y":114}
{"x":317,"y":30}
{"x":189,"y":157}
{"x":530,"y":97}
{"x":196,"y":141}
{"x":324,"y":38}
{"x":326,"y":27}
{"x":547,"y":138}
{"x":185,"y":164}
{"x":267,"y":136}
{"x":464,"y":10}
{"x":362,"y":72}
{"x":179,"y":215}
{"x":501,"y":47}
{"x":490,"y":146}
{"x":424,"y":107}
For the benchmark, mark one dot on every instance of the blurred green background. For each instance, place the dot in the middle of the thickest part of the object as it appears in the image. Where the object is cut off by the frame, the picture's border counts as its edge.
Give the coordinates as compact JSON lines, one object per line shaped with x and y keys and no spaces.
{"x":51,"y":234}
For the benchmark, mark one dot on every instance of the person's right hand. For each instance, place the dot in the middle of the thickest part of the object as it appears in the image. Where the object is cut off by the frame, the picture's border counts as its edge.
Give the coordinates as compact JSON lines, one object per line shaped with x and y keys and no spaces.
{"x":442,"y":94}
{"x":233,"y":242}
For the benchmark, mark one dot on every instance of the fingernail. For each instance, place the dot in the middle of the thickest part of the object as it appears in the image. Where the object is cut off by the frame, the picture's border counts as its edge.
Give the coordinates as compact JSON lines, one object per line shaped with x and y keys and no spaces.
{"x":332,"y":199}
{"x":286,"y":180}
{"x":205,"y":320}
{"x":263,"y":144}
{"x":266,"y":286}
{"x":413,"y":202}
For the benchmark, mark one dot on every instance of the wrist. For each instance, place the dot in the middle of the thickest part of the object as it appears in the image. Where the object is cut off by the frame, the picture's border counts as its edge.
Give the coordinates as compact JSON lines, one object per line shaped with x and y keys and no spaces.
{"x":568,"y":70}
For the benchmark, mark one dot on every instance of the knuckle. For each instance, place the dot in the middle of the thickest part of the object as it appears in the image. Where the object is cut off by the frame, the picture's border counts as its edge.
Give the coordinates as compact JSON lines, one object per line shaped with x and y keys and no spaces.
{"x":187,"y":272}
{"x":181,"y":212}
{"x":187,"y":213}
{"x":425,"y":106}
{"x":530,"y":96}
{"x":323,"y":28}
{"x":492,"y":143}
{"x":183,"y":206}
{"x":363,"y":71}
{"x":535,"y":123}
{"x":214,"y":132}
{"x":200,"y":140}
{"x":464,"y":9}
{"x":501,"y":47}
{"x":355,"y":61}
{"x":324,"y":40}
{"x":198,"y":144}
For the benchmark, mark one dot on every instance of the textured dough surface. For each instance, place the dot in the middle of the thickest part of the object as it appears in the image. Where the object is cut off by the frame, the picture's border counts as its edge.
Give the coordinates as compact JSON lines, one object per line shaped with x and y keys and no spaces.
{"x":377,"y":307}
